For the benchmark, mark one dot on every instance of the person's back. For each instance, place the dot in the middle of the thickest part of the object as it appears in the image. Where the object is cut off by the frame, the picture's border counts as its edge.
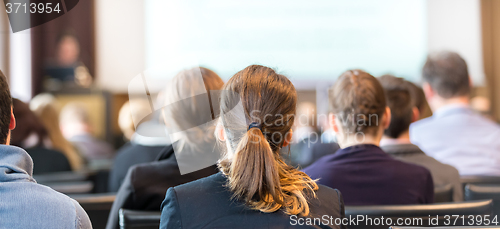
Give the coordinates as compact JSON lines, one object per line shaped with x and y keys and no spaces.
{"x":255,"y":188}
{"x":443,"y":175}
{"x":23,"y":202}
{"x":454,"y":134}
{"x":129,"y":155}
{"x":364,"y":173}
{"x":145,"y":184}
{"x":184,"y":200}
{"x":26,"y":204}
{"x":48,"y":160}
{"x":405,"y":109}
{"x":467,"y":140}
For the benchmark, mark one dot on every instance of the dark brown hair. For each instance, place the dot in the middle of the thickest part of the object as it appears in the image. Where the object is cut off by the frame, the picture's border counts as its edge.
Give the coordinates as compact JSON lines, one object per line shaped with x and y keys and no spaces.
{"x":399,"y":99}
{"x":256,"y":172}
{"x":418,"y":96}
{"x":28,"y":123}
{"x":5,"y":108}
{"x":358,"y":101}
{"x":447,"y":74}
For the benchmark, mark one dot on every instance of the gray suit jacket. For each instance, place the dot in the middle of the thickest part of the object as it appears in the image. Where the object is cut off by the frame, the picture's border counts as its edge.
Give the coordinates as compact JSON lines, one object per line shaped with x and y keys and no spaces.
{"x":442,"y":174}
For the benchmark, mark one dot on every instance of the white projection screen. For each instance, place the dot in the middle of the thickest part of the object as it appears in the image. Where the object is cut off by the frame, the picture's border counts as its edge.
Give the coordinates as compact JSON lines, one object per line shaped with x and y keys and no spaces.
{"x":312,"y":42}
{"x":307,"y":41}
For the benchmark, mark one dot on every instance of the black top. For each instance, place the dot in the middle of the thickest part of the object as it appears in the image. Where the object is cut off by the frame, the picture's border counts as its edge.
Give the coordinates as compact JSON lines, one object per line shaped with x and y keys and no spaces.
{"x":127,"y":156}
{"x":366,"y":175}
{"x":207,"y":203}
{"x":48,"y":161}
{"x":145,"y":185}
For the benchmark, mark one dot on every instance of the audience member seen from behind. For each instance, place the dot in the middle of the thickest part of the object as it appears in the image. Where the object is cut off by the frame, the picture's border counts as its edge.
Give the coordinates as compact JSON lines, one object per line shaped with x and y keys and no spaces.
{"x":455,"y":134}
{"x":139,"y":148}
{"x":364,"y":173}
{"x":396,"y":140}
{"x":31,"y":135}
{"x":192,"y":155}
{"x":420,"y":102}
{"x":254,"y":179}
{"x":45,"y":107}
{"x":307,"y":145}
{"x":76,"y":127}
{"x":26,"y":204}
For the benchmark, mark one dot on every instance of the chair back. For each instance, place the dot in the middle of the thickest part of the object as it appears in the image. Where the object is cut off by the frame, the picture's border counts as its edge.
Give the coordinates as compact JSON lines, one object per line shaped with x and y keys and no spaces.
{"x":97,"y":207}
{"x":484,"y":192}
{"x":132,"y":219}
{"x":375,"y":217}
{"x":443,"y":194}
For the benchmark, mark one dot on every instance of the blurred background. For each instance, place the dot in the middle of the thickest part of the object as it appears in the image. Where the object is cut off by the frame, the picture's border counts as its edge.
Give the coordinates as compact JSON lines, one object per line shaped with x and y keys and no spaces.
{"x":72,"y":76}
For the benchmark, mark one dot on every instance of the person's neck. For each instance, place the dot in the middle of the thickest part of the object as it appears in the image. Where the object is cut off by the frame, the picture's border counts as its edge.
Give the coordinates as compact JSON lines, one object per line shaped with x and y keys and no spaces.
{"x":403,"y":138}
{"x":352,"y":141}
{"x":439,"y":103}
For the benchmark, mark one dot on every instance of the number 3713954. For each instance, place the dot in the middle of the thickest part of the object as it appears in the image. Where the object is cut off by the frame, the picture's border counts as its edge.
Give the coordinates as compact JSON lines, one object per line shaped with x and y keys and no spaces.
{"x":32,"y":8}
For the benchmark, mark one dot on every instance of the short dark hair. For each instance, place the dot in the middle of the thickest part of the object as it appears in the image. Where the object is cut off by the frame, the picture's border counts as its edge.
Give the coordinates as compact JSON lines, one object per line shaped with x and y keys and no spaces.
{"x":5,"y":108}
{"x":399,"y":99}
{"x":447,"y":74}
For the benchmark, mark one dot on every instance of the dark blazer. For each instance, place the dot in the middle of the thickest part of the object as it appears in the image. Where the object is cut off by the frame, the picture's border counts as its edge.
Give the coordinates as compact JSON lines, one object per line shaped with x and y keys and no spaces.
{"x":207,"y":203}
{"x":48,"y":161}
{"x":145,"y":185}
{"x":366,"y":175}
{"x":127,"y":156}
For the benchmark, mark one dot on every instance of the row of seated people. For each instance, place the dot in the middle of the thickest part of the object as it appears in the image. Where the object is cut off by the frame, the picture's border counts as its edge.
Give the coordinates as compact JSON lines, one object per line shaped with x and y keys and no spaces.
{"x":57,"y":144}
{"x":384,"y":167}
{"x":257,"y":108}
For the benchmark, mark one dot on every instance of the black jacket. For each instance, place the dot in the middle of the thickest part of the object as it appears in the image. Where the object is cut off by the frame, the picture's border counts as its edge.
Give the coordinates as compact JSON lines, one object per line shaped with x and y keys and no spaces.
{"x":145,"y":185}
{"x":207,"y":203}
{"x":128,"y":156}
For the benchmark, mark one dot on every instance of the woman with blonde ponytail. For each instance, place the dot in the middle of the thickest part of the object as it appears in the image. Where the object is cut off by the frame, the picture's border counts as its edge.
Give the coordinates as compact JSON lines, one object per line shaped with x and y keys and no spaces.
{"x":255,"y":187}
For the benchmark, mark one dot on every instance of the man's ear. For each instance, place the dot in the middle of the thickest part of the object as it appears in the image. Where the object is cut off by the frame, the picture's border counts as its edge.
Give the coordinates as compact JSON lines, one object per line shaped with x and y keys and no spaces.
{"x":415,"y":114}
{"x":333,"y":122}
{"x":288,"y":138}
{"x":219,"y":132}
{"x":386,"y":118}
{"x":428,"y":91}
{"x":12,"y":124}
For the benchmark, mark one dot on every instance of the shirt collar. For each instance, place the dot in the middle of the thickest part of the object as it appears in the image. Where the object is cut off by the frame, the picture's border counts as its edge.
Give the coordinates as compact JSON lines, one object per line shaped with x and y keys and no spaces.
{"x":359,"y":148}
{"x":398,"y":149}
{"x":451,"y":109}
{"x":17,"y":161}
{"x":393,"y":141}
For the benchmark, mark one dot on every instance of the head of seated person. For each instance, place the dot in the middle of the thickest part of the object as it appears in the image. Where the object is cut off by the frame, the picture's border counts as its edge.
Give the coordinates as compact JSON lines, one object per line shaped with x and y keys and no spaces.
{"x":32,"y":135}
{"x":359,"y":113}
{"x":446,"y":80}
{"x":189,"y":116}
{"x":455,"y":134}
{"x":76,"y":126}
{"x":403,"y":107}
{"x":257,"y":110}
{"x":30,"y":132}
{"x":45,"y":107}
{"x":30,"y":205}
{"x":396,"y":141}
{"x":188,"y":102}
{"x":255,"y":170}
